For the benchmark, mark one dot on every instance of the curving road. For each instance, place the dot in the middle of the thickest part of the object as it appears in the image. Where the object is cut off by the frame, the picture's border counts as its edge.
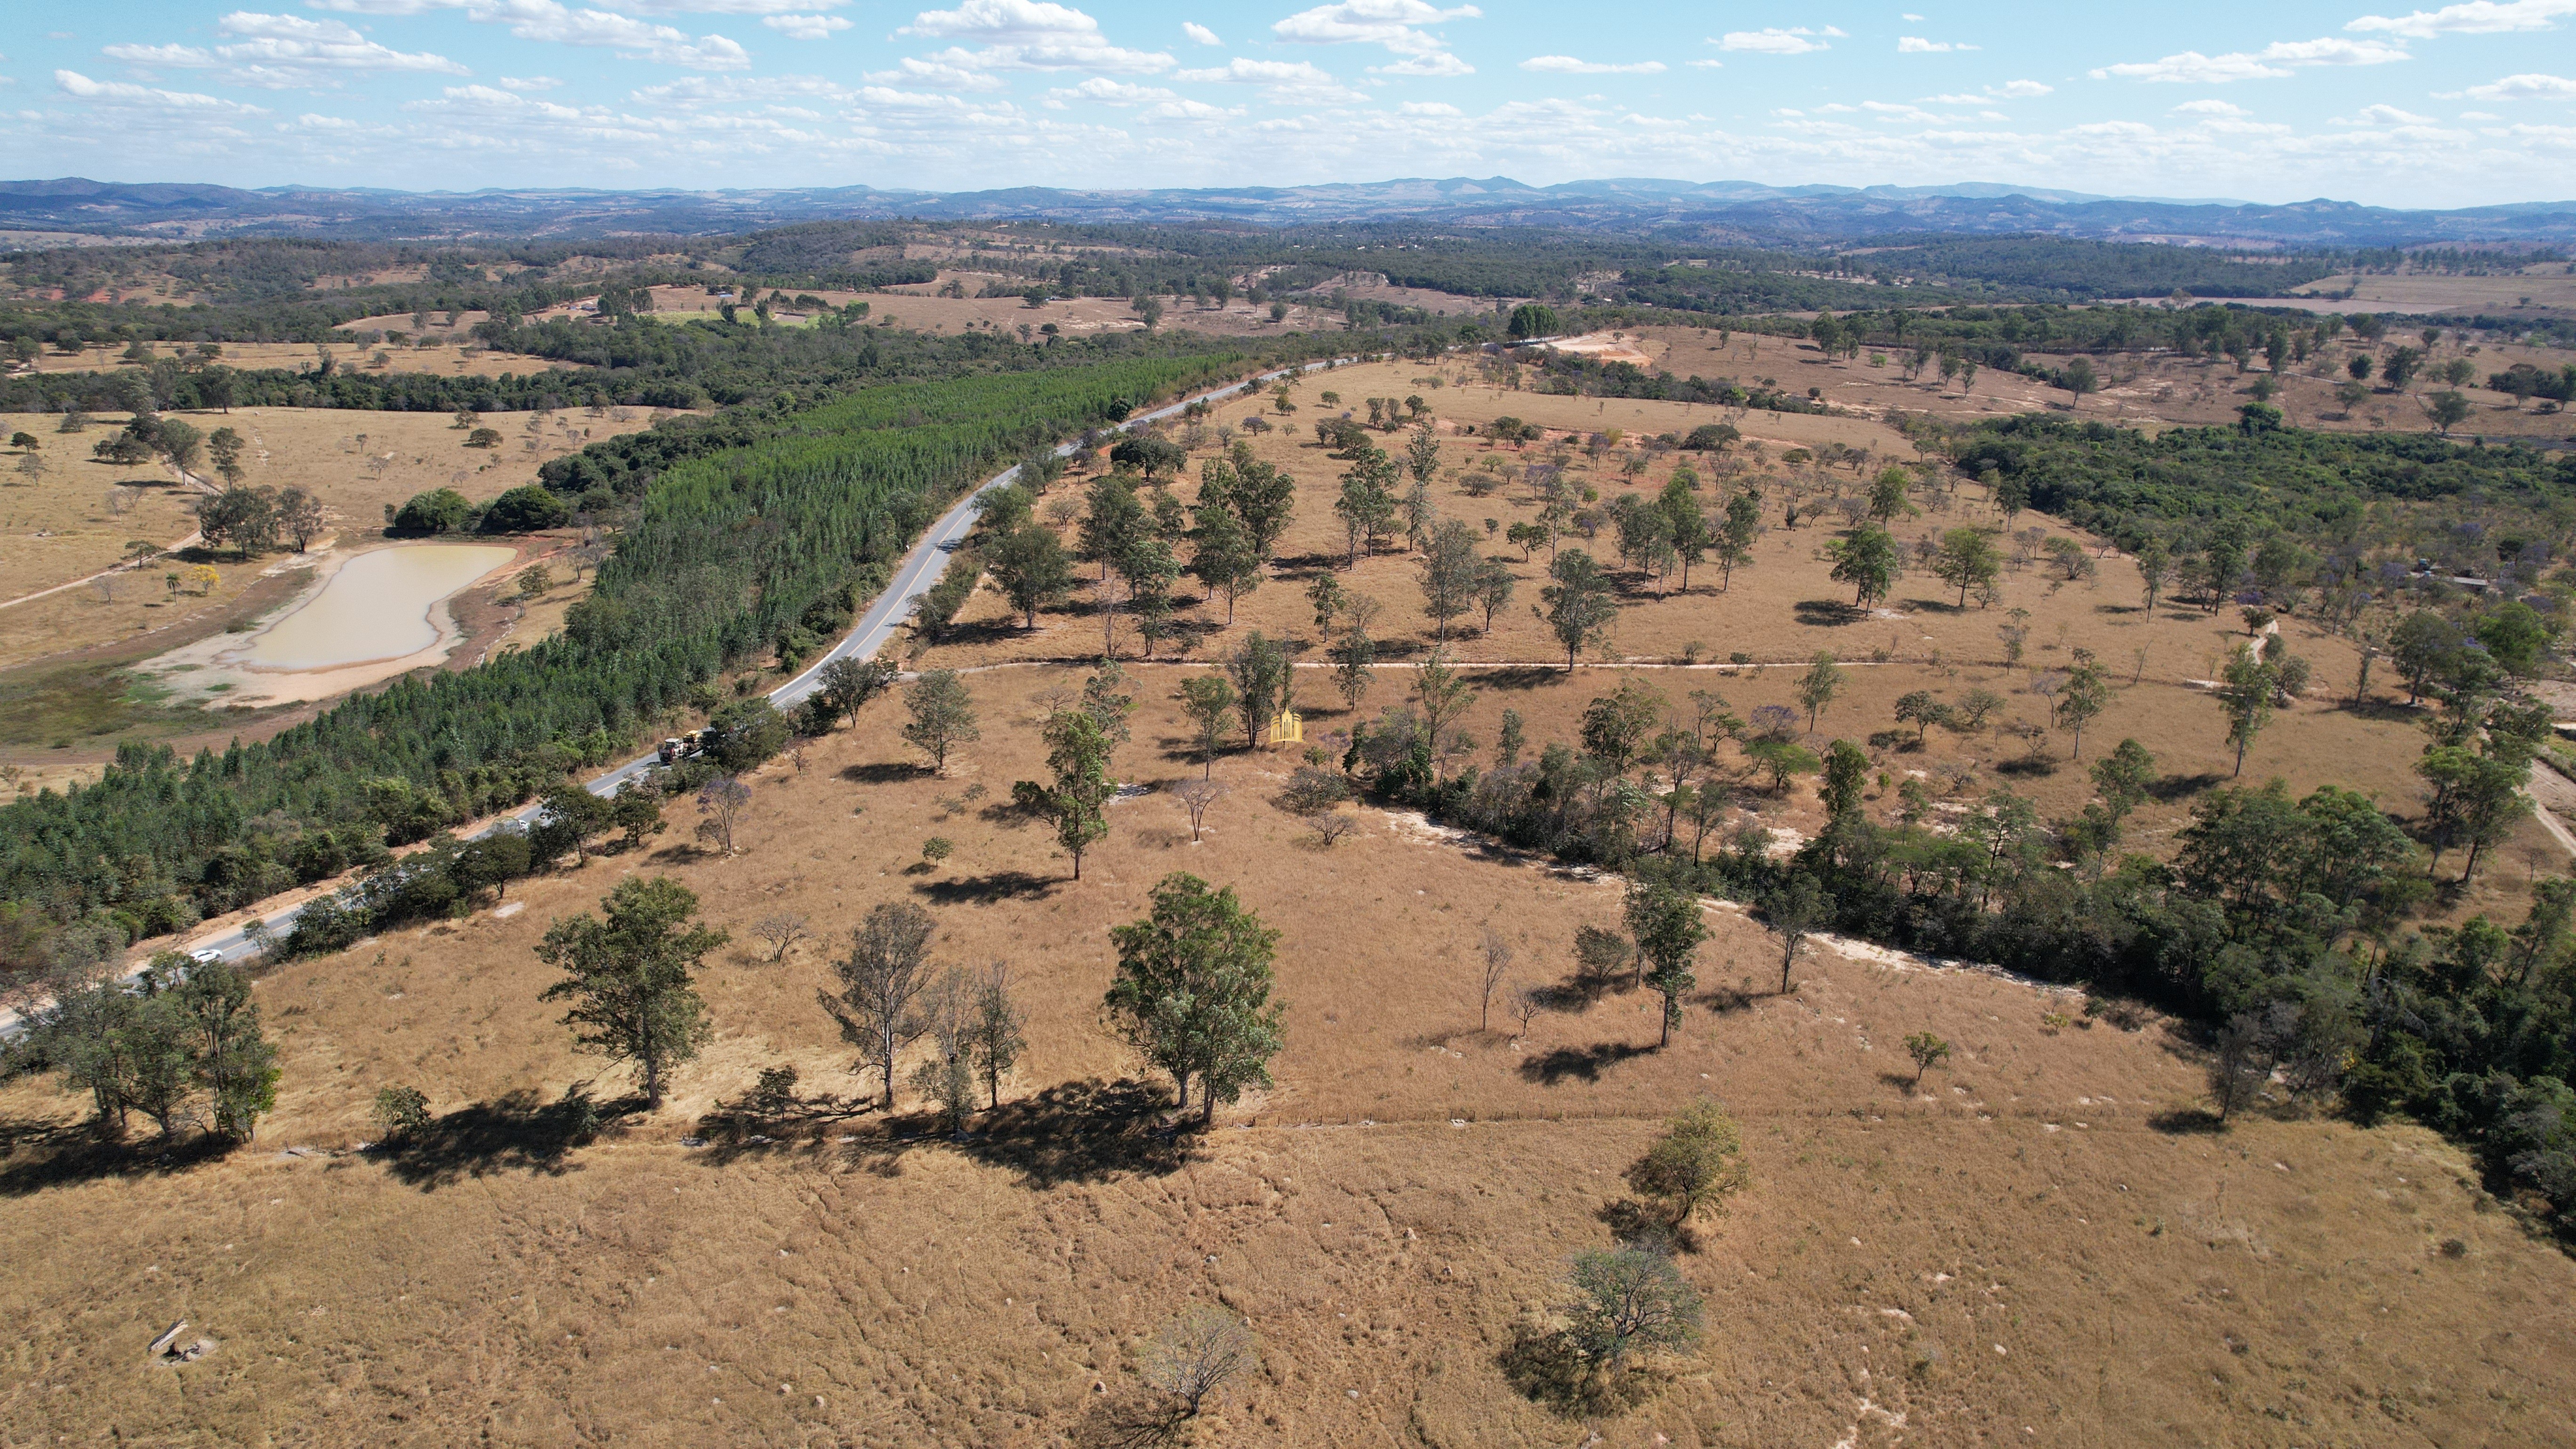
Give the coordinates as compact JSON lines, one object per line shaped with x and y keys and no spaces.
{"x":920,"y":569}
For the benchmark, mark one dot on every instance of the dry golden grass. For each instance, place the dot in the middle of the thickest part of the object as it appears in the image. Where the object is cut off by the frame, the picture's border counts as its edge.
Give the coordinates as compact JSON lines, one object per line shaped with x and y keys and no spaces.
{"x":451,"y":357}
{"x":2022,"y":1250}
{"x":2539,"y":290}
{"x":63,"y":526}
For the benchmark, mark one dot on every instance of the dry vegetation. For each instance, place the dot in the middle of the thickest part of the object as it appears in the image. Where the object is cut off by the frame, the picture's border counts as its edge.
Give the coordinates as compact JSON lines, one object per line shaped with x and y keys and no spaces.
{"x":2028,"y":1248}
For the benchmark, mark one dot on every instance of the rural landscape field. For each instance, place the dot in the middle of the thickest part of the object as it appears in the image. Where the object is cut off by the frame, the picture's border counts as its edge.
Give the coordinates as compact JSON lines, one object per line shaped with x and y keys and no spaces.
{"x":1007,"y":761}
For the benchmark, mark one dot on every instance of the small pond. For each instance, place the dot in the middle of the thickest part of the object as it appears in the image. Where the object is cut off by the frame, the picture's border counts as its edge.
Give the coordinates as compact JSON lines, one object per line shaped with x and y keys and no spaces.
{"x":380,"y":605}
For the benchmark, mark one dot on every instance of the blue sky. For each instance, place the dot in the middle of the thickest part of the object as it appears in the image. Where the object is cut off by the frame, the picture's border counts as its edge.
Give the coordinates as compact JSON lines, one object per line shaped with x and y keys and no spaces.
{"x":2457,"y":104}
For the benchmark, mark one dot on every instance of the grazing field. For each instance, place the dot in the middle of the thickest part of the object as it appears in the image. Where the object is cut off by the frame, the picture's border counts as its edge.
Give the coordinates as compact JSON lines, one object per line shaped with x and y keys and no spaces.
{"x":449,"y":355}
{"x":73,"y":522}
{"x":2542,"y":290}
{"x":2032,"y":1244}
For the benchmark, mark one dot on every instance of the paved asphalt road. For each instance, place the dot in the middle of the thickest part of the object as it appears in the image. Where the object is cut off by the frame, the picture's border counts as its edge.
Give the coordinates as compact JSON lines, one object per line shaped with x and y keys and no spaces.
{"x":921,"y":569}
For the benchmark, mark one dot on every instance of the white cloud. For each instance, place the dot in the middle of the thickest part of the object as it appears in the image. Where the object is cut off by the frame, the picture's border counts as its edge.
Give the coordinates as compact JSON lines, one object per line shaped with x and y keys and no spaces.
{"x":720,"y":7}
{"x":1708,"y":65}
{"x":1437,"y":64}
{"x":630,"y":38}
{"x":2479,"y":116}
{"x":1391,"y":23}
{"x":2270,"y":63}
{"x":1111,"y":93}
{"x":2210,"y":107}
{"x":528,"y":83}
{"x":1429,"y":108}
{"x":1029,"y":35}
{"x":2019,"y":90}
{"x":2530,"y":86}
{"x":805,"y":27}
{"x":1771,"y":41}
{"x":73,"y":83}
{"x":1290,"y":82}
{"x":1568,"y":65}
{"x":1917,"y":45}
{"x":2382,"y":115}
{"x":2478,"y":17}
{"x":281,"y":51}
{"x":913,"y":71}
{"x":1199,"y":33}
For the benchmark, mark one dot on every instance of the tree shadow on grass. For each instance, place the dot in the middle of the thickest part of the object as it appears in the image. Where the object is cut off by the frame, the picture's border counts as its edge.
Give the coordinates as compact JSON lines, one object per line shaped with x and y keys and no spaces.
{"x":1519,"y":677}
{"x":1133,"y":1420}
{"x":985,"y":890}
{"x":512,"y":1133}
{"x":44,"y":1152}
{"x":1828,"y":613}
{"x":884,"y":772}
{"x":1073,"y":1132}
{"x":2187,"y":1122}
{"x":1584,"y":1063}
{"x":2167,"y":789}
{"x":1546,"y":1369}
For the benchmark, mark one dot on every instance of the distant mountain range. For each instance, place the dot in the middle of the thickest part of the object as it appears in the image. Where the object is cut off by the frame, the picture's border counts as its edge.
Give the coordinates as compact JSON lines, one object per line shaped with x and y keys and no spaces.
{"x":1719,"y":211}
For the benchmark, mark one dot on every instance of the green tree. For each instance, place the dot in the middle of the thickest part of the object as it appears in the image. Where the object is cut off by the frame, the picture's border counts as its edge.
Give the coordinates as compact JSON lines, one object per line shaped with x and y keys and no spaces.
{"x":943,"y":716}
{"x":1422,"y":453}
{"x":1077,"y":803}
{"x":1352,"y":655}
{"x":1846,"y":778}
{"x":2155,"y":569}
{"x":1667,"y":926}
{"x":995,"y":1033}
{"x":631,"y":978}
{"x":1580,"y":604}
{"x":1032,"y":568}
{"x":1887,"y":500}
{"x":1819,"y":686}
{"x":233,"y":1059}
{"x":2515,"y":634}
{"x":1794,"y":912}
{"x":882,"y":981}
{"x":1223,"y":559}
{"x":846,"y":684}
{"x":1258,"y":669}
{"x":1921,"y":709}
{"x":2245,"y":692}
{"x":2081,"y":699}
{"x":1207,"y":699}
{"x":1928,"y":1051}
{"x":1627,"y":1301}
{"x":1531,"y":319}
{"x":1444,"y":697}
{"x":1696,"y":1165}
{"x":1192,"y":991}
{"x":1870,"y":561}
{"x":1449,"y":570}
{"x":1967,"y":561}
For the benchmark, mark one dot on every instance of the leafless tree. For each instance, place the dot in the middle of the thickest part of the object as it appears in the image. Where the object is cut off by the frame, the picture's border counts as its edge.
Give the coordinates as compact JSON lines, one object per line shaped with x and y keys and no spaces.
{"x":1198,"y":795}
{"x":782,"y":930}
{"x":1331,"y":825}
{"x":885,"y":973}
{"x":1528,"y":1004}
{"x":1197,"y":1354}
{"x":721,"y":802}
{"x":1496,"y":964}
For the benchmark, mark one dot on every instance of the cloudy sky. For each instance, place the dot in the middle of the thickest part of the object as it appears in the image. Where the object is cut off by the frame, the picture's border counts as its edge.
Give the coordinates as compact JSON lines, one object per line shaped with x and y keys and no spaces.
{"x":2460,"y":104}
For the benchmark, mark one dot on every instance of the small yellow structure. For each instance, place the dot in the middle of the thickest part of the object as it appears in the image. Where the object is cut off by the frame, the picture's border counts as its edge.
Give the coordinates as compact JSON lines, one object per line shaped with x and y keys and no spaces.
{"x":1288,"y":729}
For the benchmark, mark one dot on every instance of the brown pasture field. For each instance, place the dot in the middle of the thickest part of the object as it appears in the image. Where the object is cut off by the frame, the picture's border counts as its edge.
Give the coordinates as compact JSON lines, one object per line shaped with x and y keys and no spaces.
{"x":2150,"y":391}
{"x":2027,"y":1248}
{"x":451,"y":356}
{"x":63,"y":526}
{"x":2549,"y":286}
{"x":1779,"y":613}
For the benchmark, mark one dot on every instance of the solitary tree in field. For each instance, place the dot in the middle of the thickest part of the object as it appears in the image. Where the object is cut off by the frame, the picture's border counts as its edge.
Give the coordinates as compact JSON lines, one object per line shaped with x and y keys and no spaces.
{"x":1494,"y":962}
{"x":2245,"y":693}
{"x":1195,"y":1356}
{"x":1967,"y":561}
{"x":1627,"y":1301}
{"x":1793,"y":913}
{"x":943,"y":716}
{"x":1928,"y":1051}
{"x":1870,"y":561}
{"x":885,"y":973}
{"x":1697,"y":1164}
{"x":1668,"y":928}
{"x":2155,"y":569}
{"x":1819,"y":686}
{"x":1207,"y":699}
{"x":631,"y":977}
{"x":1192,"y":991}
{"x":1077,"y":802}
{"x":1580,"y":603}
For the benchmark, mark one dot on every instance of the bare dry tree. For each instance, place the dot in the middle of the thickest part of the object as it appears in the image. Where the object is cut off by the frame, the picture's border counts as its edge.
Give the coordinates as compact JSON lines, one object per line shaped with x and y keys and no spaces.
{"x":1528,"y":1003}
{"x":1198,"y":795}
{"x":1197,"y":1354}
{"x":782,"y":930}
{"x":1496,"y":964}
